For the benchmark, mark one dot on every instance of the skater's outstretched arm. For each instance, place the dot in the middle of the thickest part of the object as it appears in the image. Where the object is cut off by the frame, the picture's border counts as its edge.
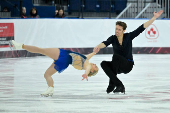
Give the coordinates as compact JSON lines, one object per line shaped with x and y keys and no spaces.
{"x":102,"y":45}
{"x":92,"y":54}
{"x":141,"y":28}
{"x":87,"y":71}
{"x":156,"y":15}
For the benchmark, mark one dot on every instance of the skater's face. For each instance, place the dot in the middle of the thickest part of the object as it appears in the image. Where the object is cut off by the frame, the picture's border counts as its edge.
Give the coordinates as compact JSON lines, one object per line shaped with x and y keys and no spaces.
{"x":119,"y":31}
{"x":94,"y":67}
{"x":94,"y":70}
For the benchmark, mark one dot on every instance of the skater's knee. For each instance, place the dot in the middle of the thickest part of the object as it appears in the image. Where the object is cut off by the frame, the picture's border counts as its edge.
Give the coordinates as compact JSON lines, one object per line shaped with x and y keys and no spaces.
{"x":103,"y":63}
{"x":46,"y":75}
{"x":116,"y":56}
{"x":116,"y":59}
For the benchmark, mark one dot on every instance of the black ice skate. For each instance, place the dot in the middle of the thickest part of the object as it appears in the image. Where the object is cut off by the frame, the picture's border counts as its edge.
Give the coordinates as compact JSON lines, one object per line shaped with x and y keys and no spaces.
{"x":119,"y":89}
{"x":110,"y":88}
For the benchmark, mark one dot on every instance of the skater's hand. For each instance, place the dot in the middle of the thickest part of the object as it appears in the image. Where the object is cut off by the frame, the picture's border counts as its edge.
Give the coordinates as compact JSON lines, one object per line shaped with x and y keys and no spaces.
{"x":157,"y":14}
{"x":85,"y":77}
{"x":96,"y":49}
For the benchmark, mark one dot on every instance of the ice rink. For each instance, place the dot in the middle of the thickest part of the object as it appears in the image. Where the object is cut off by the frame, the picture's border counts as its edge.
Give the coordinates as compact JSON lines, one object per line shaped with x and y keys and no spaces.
{"x":22,"y":81}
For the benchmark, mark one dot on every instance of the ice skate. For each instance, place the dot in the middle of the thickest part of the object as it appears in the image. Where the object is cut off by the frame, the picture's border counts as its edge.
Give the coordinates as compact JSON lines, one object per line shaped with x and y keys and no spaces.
{"x":48,"y":92}
{"x":119,"y":89}
{"x":110,"y":88}
{"x":16,"y":45}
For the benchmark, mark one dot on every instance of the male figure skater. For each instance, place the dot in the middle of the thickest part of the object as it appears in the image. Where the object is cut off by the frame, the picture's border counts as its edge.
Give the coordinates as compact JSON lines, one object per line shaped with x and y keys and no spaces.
{"x":122,"y":60}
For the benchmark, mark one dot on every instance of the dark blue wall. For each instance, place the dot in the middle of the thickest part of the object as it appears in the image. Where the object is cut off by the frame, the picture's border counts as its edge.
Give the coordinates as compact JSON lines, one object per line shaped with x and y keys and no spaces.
{"x":43,"y":11}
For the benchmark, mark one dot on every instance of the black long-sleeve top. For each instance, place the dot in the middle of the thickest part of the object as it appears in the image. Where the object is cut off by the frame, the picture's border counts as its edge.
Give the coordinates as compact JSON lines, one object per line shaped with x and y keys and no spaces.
{"x":125,"y":49}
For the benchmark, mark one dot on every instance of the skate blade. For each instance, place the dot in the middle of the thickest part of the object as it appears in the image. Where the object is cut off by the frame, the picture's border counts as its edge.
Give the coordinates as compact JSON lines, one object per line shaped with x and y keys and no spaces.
{"x":109,"y":92}
{"x":119,"y":93}
{"x":10,"y":45}
{"x":10,"y":42}
{"x":46,"y":95}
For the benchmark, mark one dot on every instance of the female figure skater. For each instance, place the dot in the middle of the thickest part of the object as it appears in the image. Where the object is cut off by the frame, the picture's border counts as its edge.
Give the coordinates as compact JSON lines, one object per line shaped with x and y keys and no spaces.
{"x":62,"y":59}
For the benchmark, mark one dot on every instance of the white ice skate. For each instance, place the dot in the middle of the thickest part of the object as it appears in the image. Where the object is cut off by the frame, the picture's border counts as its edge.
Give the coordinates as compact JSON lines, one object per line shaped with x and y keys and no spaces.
{"x":48,"y":92}
{"x":16,"y":45}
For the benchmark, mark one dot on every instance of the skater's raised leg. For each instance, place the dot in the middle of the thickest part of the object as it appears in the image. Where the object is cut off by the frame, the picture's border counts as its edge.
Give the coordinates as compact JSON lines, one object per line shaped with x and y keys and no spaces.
{"x":50,"y":52}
